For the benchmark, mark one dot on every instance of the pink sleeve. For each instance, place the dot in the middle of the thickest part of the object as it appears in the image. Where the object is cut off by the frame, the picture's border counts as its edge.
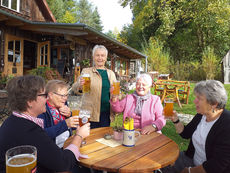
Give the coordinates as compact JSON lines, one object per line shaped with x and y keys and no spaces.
{"x":118,"y":106}
{"x":76,"y":151}
{"x":159,"y":118}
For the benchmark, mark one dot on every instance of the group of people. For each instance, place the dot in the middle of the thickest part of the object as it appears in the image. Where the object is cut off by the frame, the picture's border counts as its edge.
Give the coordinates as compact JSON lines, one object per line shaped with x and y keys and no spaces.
{"x":41,"y":118}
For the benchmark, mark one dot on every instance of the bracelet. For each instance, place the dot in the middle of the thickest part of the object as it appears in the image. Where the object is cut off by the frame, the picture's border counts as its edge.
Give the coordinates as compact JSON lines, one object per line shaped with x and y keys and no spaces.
{"x":79,"y":136}
{"x":177,"y":121}
{"x":189,"y":169}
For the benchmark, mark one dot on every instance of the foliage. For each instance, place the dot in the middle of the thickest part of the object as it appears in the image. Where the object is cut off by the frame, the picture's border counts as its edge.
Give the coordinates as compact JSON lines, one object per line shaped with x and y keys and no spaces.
{"x":4,"y":79}
{"x":117,"y":124}
{"x":209,"y":63}
{"x":186,"y":28}
{"x":87,"y":15}
{"x":71,"y":11}
{"x":158,"y":58}
{"x":46,"y":72}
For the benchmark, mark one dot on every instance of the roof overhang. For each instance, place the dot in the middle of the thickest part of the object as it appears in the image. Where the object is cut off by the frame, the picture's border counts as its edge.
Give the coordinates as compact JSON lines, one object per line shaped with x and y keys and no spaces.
{"x":76,"y":31}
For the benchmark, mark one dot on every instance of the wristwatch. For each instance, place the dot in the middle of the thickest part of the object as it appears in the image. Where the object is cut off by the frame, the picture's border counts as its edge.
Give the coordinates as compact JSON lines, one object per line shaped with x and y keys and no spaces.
{"x":154,"y":126}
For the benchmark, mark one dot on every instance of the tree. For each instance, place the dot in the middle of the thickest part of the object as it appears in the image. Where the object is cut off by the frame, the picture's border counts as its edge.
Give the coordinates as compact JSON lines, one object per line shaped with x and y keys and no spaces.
{"x":87,"y":15}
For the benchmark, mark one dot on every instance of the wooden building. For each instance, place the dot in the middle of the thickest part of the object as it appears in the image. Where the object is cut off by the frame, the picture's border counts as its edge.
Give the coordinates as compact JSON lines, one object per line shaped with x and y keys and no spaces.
{"x":30,"y":37}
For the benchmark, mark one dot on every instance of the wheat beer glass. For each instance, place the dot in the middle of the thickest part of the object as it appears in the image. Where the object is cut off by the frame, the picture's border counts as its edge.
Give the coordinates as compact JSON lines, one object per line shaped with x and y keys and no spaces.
{"x":86,"y":86}
{"x":116,"y":86}
{"x":84,"y":118}
{"x":21,"y":159}
{"x":74,"y":103}
{"x":168,"y":107}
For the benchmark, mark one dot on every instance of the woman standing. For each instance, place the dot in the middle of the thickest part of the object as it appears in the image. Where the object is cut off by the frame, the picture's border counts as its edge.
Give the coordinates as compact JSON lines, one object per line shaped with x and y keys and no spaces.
{"x":101,"y":79}
{"x":209,"y":132}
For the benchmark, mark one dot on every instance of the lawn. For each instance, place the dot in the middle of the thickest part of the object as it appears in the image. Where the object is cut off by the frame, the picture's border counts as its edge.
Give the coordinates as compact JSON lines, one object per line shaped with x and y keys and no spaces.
{"x":189,"y":108}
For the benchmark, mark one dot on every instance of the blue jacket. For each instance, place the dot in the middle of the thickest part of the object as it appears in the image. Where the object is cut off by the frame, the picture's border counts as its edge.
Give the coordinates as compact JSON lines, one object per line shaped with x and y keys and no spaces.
{"x":53,"y":130}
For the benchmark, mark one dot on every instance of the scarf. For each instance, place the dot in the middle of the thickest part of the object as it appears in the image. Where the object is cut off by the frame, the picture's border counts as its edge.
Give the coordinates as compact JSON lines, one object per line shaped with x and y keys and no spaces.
{"x":57,"y":117}
{"x":140,"y":101}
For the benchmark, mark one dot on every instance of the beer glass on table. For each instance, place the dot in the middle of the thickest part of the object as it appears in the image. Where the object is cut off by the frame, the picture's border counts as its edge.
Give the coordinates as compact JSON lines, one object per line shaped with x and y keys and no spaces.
{"x":74,"y":103}
{"x":116,"y":86}
{"x":86,"y":86}
{"x":168,"y":107}
{"x":84,"y":118}
{"x":21,"y":159}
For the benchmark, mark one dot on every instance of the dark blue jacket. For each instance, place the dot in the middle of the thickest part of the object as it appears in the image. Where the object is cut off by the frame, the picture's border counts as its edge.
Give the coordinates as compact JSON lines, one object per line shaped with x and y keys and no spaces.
{"x":53,"y":130}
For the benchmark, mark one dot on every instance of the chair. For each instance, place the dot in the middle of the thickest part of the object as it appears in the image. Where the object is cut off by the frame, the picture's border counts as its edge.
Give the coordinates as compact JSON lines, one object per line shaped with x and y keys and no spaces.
{"x":184,"y":92}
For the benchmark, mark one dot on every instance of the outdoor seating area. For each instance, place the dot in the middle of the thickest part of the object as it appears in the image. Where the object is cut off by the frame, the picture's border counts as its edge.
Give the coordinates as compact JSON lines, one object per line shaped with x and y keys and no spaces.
{"x":178,"y":90}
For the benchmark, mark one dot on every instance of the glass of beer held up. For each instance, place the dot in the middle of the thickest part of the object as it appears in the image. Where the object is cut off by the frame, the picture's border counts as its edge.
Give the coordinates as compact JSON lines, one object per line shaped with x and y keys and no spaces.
{"x":86,"y":85}
{"x":84,"y":118}
{"x":74,"y":103}
{"x":21,"y":159}
{"x":168,"y":107}
{"x":116,"y":86}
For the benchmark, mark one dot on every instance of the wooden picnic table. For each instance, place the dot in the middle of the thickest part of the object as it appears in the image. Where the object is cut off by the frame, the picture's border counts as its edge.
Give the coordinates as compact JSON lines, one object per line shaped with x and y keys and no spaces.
{"x":150,"y":153}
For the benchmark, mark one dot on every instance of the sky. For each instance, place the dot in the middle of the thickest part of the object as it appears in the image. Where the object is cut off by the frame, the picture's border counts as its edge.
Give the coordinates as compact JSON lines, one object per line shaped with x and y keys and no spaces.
{"x":112,"y":14}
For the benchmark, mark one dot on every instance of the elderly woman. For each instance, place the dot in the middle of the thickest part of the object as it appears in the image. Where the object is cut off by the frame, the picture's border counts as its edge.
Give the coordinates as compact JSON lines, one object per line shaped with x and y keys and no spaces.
{"x":57,"y":120}
{"x":101,"y":80}
{"x":27,"y":99}
{"x":145,"y":108}
{"x":209,"y":147}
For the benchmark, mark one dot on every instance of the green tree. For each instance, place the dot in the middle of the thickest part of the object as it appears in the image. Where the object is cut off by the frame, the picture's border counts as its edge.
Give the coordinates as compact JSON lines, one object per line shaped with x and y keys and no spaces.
{"x":85,"y":13}
{"x":57,"y":8}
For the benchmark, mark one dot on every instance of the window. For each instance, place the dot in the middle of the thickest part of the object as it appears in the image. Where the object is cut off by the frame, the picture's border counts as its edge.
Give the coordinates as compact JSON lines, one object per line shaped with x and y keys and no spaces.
{"x":14,"y":51}
{"x":44,"y":55}
{"x":11,"y":4}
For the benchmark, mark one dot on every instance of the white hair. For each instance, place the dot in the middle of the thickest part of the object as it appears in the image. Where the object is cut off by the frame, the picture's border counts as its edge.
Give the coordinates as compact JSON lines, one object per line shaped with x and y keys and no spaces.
{"x":146,"y":77}
{"x":99,"y":47}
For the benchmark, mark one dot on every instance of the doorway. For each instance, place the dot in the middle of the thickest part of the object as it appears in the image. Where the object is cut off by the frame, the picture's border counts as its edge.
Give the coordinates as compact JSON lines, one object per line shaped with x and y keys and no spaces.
{"x":30,"y":56}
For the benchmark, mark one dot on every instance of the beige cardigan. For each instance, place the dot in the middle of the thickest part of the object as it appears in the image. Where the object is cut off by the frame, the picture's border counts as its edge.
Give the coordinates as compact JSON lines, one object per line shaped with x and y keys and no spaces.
{"x":92,"y":100}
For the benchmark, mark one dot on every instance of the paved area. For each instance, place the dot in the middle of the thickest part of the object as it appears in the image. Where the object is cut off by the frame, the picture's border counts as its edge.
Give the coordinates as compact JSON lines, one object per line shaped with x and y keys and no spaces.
{"x":186,"y":118}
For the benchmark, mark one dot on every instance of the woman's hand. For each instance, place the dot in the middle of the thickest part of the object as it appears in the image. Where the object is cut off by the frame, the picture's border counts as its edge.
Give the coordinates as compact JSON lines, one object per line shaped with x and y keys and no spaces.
{"x":65,"y":110}
{"x":72,"y":121}
{"x":84,"y":130}
{"x":82,"y":81}
{"x":147,"y":130}
{"x":174,"y":117}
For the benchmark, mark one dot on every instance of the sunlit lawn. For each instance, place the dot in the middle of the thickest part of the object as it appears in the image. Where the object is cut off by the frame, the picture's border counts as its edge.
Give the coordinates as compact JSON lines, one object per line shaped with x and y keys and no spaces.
{"x":169,"y":129}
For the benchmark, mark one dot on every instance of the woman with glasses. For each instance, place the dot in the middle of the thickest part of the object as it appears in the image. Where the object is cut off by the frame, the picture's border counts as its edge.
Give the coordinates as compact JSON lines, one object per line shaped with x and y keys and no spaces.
{"x":27,"y":99}
{"x":57,"y":120}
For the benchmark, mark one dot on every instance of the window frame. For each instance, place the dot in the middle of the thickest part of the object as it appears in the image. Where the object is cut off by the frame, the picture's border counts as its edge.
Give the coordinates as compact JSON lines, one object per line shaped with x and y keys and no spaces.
{"x":9,"y":5}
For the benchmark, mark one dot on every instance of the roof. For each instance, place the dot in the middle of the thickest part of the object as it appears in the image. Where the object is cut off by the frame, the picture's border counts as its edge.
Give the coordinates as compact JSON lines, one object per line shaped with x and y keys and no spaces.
{"x":77,"y":30}
{"x":46,"y":10}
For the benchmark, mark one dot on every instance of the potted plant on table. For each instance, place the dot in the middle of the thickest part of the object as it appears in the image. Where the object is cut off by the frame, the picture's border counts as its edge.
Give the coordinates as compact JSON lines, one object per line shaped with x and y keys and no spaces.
{"x":117,"y":126}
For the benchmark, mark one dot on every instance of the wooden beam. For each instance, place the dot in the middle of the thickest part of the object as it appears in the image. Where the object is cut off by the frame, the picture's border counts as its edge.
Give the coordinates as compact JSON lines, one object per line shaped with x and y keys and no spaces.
{"x":14,"y":23}
{"x":3,"y":18}
{"x":55,"y":30}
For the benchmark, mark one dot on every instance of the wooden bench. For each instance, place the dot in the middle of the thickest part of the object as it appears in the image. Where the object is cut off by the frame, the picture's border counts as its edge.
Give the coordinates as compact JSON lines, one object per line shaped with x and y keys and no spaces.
{"x":179,"y":90}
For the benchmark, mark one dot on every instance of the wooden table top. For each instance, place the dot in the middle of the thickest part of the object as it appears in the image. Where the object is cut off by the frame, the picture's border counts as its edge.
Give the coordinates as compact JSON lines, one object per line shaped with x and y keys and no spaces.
{"x":151,"y":152}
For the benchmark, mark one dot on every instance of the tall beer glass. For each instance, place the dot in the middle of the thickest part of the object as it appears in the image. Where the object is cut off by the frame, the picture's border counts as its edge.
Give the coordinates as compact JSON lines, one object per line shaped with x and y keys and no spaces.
{"x":21,"y":159}
{"x":116,"y":86}
{"x":84,"y":118}
{"x":168,"y":107}
{"x":86,"y":86}
{"x":74,"y":103}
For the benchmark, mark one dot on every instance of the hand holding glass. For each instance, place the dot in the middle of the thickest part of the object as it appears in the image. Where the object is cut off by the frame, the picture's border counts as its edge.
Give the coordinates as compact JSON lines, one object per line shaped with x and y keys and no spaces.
{"x":84,"y":118}
{"x":116,"y":86}
{"x":86,"y":85}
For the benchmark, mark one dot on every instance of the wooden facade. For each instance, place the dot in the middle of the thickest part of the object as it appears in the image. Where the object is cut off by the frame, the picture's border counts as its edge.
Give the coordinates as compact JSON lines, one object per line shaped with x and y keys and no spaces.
{"x":30,"y":38}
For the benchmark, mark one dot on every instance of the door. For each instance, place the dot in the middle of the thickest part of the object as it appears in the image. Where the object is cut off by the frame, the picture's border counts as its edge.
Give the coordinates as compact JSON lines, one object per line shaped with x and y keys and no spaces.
{"x":30,"y":56}
{"x":43,"y":58}
{"x":13,"y":55}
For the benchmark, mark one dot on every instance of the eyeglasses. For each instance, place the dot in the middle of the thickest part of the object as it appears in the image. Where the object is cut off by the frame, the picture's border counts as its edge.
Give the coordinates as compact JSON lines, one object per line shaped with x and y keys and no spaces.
{"x":63,"y":96}
{"x":45,"y":95}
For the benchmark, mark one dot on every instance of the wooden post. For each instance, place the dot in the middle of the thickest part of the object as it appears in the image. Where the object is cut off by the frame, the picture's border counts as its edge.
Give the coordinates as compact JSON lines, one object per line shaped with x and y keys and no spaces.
{"x":77,"y":72}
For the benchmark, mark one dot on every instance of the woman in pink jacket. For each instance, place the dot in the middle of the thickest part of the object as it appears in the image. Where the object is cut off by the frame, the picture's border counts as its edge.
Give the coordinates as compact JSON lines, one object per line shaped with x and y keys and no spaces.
{"x":145,"y":108}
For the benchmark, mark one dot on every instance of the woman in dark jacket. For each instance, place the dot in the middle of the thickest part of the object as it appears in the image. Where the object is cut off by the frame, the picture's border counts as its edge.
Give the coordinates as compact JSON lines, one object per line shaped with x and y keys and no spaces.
{"x":27,"y":99}
{"x":209,"y":132}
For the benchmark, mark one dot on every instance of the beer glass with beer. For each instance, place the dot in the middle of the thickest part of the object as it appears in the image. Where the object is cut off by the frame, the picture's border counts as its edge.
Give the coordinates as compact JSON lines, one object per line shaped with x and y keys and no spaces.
{"x":86,"y":86}
{"x":116,"y":86}
{"x":84,"y":118}
{"x":168,"y":107}
{"x":74,"y":103}
{"x":21,"y":159}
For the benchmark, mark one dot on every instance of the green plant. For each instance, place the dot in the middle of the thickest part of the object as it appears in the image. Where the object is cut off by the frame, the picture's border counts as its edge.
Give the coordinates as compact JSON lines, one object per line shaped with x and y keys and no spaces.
{"x":117,"y":124}
{"x":4,"y":79}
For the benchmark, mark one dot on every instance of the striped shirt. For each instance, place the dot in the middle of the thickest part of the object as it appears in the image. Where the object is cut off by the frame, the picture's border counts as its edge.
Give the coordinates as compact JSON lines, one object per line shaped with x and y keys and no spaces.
{"x":37,"y":121}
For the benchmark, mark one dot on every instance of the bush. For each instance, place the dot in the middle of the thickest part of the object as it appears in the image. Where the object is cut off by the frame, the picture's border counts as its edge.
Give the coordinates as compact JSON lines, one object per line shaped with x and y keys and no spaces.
{"x":4,"y":79}
{"x":46,"y":72}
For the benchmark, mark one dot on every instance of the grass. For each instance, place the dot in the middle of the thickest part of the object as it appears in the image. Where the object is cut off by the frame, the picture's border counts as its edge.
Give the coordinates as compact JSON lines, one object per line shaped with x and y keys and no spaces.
{"x":169,"y":130}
